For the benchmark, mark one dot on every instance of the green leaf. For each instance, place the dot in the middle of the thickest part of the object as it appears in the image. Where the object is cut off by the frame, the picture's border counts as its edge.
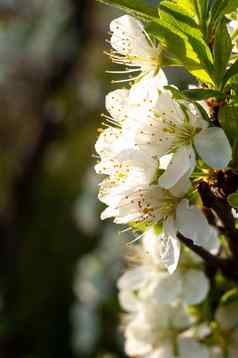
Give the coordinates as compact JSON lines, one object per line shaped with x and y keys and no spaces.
{"x":230,"y":296}
{"x":137,"y":8}
{"x":222,"y":51}
{"x":200,"y":94}
{"x":188,"y":6}
{"x":201,"y":7}
{"x":175,"y":44}
{"x":233,"y":70}
{"x":180,"y":34}
{"x":221,"y":8}
{"x":228,"y":118}
{"x":177,"y":94}
{"x":231,"y":5}
{"x":233,"y":200}
{"x":195,"y":8}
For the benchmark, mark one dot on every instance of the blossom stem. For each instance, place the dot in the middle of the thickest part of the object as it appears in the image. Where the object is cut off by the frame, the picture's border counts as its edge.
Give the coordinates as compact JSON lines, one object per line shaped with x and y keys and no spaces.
{"x":223,"y":211}
{"x":226,"y":266}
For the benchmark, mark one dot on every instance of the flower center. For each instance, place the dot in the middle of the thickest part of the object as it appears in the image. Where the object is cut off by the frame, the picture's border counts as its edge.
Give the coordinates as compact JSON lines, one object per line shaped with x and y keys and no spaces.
{"x":144,"y":63}
{"x":168,"y":204}
{"x":183,"y":136}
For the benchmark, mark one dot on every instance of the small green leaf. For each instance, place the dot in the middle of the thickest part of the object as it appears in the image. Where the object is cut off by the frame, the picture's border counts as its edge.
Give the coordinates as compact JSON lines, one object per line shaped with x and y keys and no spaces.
{"x":177,"y":94}
{"x":232,"y":71}
{"x":137,"y":8}
{"x":222,"y":51}
{"x":228,"y":118}
{"x":233,"y":200}
{"x":200,"y":94}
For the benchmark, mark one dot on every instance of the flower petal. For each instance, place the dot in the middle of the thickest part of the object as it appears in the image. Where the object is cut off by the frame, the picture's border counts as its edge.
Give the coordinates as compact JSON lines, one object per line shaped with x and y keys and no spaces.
{"x":164,"y":351}
{"x":128,"y":301}
{"x":152,"y":245}
{"x":117,"y":104}
{"x":181,"y":187}
{"x":169,"y":288}
{"x":182,"y":163}
{"x":146,"y":92}
{"x":195,"y":287}
{"x":213,"y":147}
{"x":171,"y":259}
{"x":133,"y":279}
{"x":213,"y":243}
{"x":187,"y":345}
{"x":128,"y":36}
{"x":180,"y":318}
{"x":192,"y":223}
{"x":134,"y":346}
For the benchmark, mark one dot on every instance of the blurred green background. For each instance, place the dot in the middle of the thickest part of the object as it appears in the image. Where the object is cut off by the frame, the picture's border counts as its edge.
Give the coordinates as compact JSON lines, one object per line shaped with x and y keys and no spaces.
{"x":58,"y":264}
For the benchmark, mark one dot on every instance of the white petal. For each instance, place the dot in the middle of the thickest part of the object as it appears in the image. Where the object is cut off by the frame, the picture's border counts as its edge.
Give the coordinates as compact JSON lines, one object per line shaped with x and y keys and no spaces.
{"x":187,"y":346}
{"x":146,"y":92}
{"x":168,"y":289}
{"x":152,"y":245}
{"x":180,"y":317}
{"x":195,"y":287}
{"x":139,"y":164}
{"x":139,"y":329}
{"x":117,"y":104}
{"x":171,"y":259}
{"x":192,"y":223}
{"x":105,"y":142}
{"x":162,"y":79}
{"x":181,"y":187}
{"x":182,"y":163}
{"x":128,"y":301}
{"x":213,"y":147}
{"x":135,"y":205}
{"x":128,"y":38}
{"x":164,"y":161}
{"x":166,"y":351}
{"x":169,"y":109}
{"x":134,"y":346}
{"x":213,"y":243}
{"x":133,"y":279}
{"x":108,"y":213}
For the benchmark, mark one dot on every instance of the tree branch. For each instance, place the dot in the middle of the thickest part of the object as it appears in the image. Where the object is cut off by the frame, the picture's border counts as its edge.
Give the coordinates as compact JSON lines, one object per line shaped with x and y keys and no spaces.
{"x":223,"y":211}
{"x":226,"y":266}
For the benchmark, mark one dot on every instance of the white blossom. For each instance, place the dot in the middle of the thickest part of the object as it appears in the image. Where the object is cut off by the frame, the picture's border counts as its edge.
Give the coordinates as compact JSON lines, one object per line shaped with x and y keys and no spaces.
{"x":150,"y":281}
{"x":190,"y":222}
{"x":159,"y":331}
{"x":153,"y":328}
{"x":133,"y":47}
{"x":167,"y":127}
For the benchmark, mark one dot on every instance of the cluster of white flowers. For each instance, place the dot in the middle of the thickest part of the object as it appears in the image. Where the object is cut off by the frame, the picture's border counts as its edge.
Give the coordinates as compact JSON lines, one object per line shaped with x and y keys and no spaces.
{"x":149,"y":151}
{"x":157,"y":320}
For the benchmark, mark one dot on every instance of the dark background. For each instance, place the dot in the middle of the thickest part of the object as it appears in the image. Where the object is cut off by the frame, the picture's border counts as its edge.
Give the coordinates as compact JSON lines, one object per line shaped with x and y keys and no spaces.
{"x":52,"y":87}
